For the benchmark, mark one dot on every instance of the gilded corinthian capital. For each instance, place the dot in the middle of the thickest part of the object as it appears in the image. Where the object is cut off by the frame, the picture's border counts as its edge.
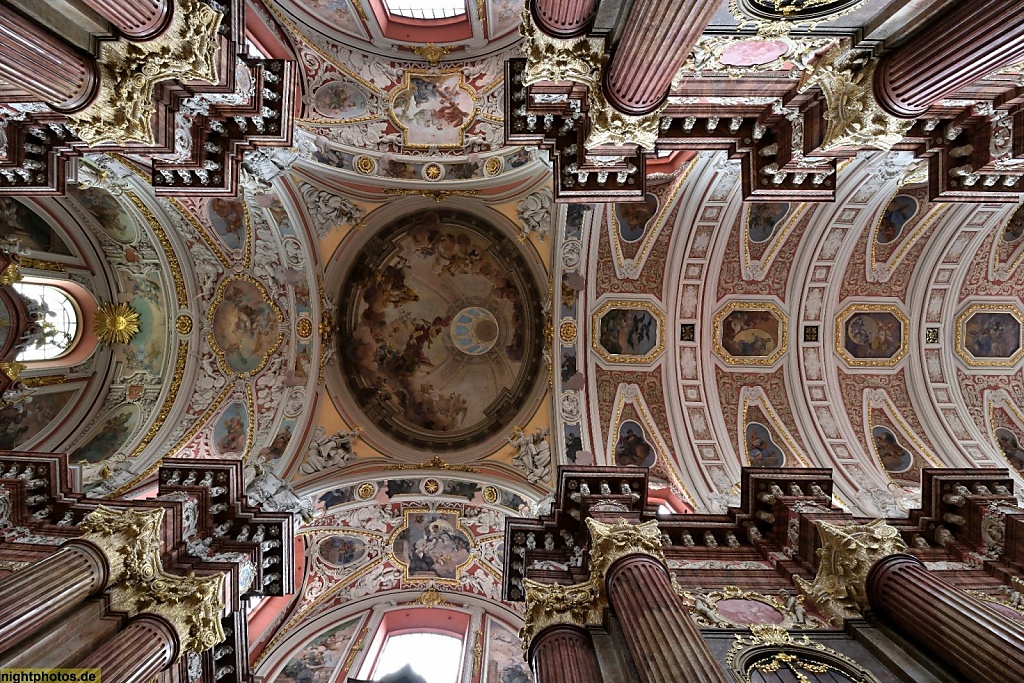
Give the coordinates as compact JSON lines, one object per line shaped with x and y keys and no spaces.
{"x":130,"y":540}
{"x":579,"y":60}
{"x":854,"y":117}
{"x":847,"y":554}
{"x":550,"y":604}
{"x":609,"y":542}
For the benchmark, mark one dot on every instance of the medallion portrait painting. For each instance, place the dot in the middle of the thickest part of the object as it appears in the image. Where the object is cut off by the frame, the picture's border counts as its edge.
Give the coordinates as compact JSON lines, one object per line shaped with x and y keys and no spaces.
{"x":899,"y":211}
{"x":245,"y":326}
{"x":431,"y":545}
{"x":432,"y":109}
{"x":895,"y":458}
{"x":341,"y":550}
{"x":763,"y":218}
{"x":632,"y":447}
{"x":761,"y":449}
{"x":339,"y":100}
{"x":634,"y":217}
{"x":1009,"y":444}
{"x":428,"y":308}
{"x":871,"y":335}
{"x":743,"y":612}
{"x":750,"y":333}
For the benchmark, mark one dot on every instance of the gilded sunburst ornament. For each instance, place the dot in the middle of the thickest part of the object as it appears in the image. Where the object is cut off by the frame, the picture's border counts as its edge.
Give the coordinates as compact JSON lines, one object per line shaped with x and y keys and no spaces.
{"x":116,"y":323}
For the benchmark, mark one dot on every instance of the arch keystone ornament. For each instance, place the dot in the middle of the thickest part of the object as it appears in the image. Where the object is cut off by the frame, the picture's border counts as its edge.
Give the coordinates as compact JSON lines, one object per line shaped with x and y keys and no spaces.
{"x":847,"y":553}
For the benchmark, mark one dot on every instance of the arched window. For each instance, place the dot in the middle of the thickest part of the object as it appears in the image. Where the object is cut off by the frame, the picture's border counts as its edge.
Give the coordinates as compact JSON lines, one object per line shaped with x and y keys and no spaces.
{"x":58,"y":318}
{"x":426,"y":9}
{"x":436,"y":657}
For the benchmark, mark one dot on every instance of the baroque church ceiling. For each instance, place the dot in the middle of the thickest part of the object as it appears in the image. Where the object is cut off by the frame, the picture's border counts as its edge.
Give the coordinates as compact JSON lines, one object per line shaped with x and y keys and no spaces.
{"x":397,"y":319}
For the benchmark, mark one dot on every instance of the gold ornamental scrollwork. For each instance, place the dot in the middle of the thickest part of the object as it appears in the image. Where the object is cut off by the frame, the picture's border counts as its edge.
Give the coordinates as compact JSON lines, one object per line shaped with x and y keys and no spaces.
{"x":612,"y":128}
{"x":854,"y":117}
{"x":130,"y":540}
{"x":579,"y":60}
{"x":122,"y":112}
{"x":551,"y":604}
{"x":847,"y":553}
{"x":610,"y":542}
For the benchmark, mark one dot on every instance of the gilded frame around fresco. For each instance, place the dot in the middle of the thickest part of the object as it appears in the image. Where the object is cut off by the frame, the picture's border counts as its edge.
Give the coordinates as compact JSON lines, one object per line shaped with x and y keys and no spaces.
{"x":852,"y":310}
{"x":406,"y":86}
{"x":390,"y":545}
{"x":633,"y":305}
{"x":218,"y":299}
{"x":780,"y":348}
{"x":970,"y":359}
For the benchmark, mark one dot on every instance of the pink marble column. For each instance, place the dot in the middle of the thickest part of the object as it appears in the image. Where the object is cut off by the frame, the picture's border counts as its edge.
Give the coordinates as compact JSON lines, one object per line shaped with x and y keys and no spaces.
{"x":564,"y":18}
{"x":137,"y":20}
{"x":981,"y":644}
{"x":37,"y":61}
{"x":141,"y":650}
{"x":49,"y":589}
{"x":970,"y":40}
{"x":658,"y":37}
{"x":667,"y":647}
{"x":564,"y":654}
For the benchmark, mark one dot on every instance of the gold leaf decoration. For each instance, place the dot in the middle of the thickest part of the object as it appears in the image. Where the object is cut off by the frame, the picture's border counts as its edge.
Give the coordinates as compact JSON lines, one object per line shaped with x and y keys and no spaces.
{"x":116,"y":323}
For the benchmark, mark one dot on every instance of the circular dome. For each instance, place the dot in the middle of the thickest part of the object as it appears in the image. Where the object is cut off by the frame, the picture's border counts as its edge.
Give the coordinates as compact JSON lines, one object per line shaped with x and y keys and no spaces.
{"x":440,"y":331}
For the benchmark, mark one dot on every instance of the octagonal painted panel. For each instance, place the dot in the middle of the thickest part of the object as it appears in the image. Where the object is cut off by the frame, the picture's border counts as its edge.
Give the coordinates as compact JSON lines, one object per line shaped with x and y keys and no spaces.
{"x":750,"y":333}
{"x":872,"y":335}
{"x":989,"y":335}
{"x":628,"y":331}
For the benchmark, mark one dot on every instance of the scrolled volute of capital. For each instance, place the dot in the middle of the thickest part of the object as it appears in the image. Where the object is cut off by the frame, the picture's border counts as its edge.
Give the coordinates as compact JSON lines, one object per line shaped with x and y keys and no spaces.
{"x":122,"y":112}
{"x":578,"y":60}
{"x":612,"y":128}
{"x":550,"y":604}
{"x":192,"y":603}
{"x":129,"y":538}
{"x":609,"y":542}
{"x":847,"y":554}
{"x":854,"y":117}
{"x":131,"y":541}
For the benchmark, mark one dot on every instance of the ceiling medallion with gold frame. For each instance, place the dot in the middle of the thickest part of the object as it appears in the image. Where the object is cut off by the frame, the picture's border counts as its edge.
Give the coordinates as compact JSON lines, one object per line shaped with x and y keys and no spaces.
{"x":116,"y":323}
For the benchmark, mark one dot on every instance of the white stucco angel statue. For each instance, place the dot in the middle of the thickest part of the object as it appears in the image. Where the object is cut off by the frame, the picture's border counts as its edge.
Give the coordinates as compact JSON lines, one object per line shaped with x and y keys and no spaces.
{"x":265,"y":489}
{"x":534,"y":455}
{"x":328,"y":451}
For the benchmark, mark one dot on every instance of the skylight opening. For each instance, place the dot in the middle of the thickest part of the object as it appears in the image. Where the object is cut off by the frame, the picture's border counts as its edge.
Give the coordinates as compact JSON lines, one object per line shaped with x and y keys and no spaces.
{"x":426,"y":9}
{"x":435,"y":657}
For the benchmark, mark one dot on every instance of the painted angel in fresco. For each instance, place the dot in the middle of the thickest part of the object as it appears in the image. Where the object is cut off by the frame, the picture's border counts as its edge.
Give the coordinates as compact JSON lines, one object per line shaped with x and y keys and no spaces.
{"x":534,"y":455}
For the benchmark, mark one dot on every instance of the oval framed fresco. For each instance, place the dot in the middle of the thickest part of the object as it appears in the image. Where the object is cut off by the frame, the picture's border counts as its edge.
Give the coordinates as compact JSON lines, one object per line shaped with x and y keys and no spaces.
{"x":246,"y":326}
{"x":341,"y":551}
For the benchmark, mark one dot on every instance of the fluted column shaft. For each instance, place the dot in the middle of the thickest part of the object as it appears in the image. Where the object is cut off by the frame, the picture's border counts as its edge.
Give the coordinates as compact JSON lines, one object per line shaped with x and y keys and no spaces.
{"x":141,"y":650}
{"x":564,"y":18}
{"x":667,"y":647}
{"x":564,"y":654}
{"x":658,"y":37}
{"x":37,"y":61}
{"x":48,"y":589}
{"x":957,"y":628}
{"x":970,"y":41}
{"x":135,"y":19}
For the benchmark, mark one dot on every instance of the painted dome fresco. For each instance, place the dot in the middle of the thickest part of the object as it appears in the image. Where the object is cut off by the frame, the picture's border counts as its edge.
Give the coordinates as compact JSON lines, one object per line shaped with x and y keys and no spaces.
{"x":440,"y":331}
